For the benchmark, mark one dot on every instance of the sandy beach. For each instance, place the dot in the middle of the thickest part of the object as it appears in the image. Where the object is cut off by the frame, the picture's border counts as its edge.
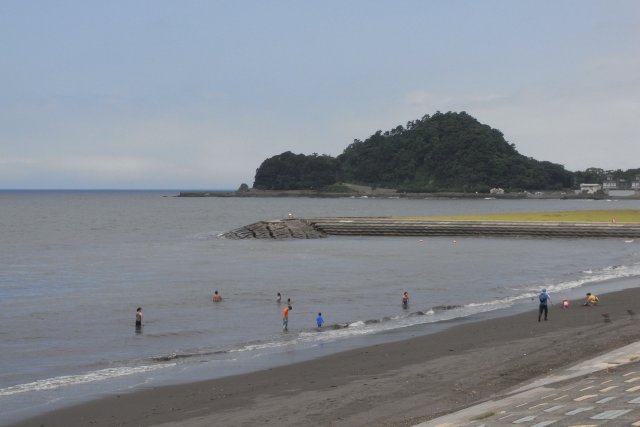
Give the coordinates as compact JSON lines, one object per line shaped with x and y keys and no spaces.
{"x":395,"y":384}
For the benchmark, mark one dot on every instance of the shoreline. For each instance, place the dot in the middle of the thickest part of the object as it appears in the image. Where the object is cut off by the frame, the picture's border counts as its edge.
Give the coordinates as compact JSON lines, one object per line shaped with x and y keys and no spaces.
{"x":394,"y":384}
{"x":392,"y":194}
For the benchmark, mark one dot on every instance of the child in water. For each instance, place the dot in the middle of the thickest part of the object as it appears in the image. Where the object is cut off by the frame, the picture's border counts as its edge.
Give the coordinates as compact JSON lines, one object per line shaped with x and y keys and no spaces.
{"x":319,"y":320}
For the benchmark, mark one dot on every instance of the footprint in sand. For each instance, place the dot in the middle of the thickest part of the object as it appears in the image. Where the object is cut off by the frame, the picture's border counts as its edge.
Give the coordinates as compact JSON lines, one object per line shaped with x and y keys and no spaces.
{"x":607,"y":319}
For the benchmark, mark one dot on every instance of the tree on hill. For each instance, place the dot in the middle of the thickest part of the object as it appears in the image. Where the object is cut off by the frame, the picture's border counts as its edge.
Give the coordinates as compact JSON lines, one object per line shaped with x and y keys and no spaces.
{"x":289,"y":171}
{"x":446,"y":152}
{"x":590,"y":176}
{"x":598,"y":176}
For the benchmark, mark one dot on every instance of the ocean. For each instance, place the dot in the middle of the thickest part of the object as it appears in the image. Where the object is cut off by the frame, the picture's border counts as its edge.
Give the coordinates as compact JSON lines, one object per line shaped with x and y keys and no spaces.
{"x":75,"y":265}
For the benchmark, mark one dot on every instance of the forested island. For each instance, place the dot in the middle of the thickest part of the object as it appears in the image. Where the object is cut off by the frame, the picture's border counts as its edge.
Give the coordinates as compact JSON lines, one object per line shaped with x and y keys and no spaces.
{"x":444,"y":152}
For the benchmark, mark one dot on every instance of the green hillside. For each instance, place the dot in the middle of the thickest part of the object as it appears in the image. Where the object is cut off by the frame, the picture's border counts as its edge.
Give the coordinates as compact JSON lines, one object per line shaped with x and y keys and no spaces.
{"x":444,"y":152}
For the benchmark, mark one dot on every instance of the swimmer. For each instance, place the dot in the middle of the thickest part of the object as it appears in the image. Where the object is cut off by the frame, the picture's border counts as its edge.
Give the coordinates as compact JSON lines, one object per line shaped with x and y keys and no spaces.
{"x":139,"y":318}
{"x":216,"y":297}
{"x":405,"y":300}
{"x":278,"y":298}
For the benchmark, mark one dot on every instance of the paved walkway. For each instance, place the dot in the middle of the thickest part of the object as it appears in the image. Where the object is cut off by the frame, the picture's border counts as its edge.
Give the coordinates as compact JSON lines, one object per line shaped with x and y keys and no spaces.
{"x":604,"y":391}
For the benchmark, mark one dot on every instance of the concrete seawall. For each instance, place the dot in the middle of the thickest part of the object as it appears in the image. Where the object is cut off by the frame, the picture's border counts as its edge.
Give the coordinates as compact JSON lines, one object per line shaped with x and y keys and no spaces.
{"x":369,"y":226}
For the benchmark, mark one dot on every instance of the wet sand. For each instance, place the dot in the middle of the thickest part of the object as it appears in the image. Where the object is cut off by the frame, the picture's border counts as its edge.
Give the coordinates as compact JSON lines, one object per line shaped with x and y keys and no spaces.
{"x":395,"y":384}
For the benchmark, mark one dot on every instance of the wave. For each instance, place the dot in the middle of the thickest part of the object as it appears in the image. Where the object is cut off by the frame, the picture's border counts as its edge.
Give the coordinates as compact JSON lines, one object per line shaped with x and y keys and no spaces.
{"x":341,"y":331}
{"x":89,"y":377}
{"x":207,"y":235}
{"x":361,"y":323}
{"x":439,"y":313}
{"x":185,"y":355}
{"x":595,"y":276}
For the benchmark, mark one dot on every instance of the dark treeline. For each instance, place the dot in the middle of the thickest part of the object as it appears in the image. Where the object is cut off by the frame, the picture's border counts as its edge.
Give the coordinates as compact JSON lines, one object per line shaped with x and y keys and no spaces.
{"x":596,"y":175}
{"x":443,"y":152}
{"x":288,"y":171}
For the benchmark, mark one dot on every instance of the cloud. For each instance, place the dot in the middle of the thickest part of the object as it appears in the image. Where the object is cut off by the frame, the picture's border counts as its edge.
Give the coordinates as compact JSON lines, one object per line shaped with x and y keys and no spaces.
{"x":588,"y":121}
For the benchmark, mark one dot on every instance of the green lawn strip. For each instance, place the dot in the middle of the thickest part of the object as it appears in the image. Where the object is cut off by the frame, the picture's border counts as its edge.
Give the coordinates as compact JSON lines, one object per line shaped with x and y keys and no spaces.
{"x":617,"y":216}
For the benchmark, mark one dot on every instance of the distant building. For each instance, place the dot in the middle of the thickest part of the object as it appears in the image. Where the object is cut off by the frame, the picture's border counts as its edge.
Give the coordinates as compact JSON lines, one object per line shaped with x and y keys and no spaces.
{"x":621,"y":187}
{"x":609,"y":183}
{"x":496,"y":191}
{"x":590,"y":188}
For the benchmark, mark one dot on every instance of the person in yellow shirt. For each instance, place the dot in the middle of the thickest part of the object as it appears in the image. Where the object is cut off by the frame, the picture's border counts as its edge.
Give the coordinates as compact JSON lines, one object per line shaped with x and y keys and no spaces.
{"x":591,"y":300}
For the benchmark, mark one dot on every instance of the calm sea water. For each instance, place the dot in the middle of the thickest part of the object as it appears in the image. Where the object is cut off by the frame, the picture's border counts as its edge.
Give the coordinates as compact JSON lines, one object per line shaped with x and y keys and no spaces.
{"x":74,"y":265}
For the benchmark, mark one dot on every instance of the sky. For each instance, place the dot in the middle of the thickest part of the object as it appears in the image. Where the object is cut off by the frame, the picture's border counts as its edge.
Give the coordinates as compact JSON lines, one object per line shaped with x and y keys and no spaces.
{"x":158,"y":94}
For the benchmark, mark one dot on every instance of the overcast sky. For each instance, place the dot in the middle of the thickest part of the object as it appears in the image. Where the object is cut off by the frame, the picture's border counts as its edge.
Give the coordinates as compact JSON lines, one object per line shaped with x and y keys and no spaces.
{"x":196,"y":94}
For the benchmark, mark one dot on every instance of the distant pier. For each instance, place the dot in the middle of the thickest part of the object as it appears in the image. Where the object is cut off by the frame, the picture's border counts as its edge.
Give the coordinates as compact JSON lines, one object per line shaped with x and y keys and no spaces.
{"x":386,"y":226}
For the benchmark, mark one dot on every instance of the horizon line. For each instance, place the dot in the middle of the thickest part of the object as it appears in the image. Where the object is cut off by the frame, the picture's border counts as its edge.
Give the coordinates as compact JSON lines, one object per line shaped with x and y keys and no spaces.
{"x":113,"y":189}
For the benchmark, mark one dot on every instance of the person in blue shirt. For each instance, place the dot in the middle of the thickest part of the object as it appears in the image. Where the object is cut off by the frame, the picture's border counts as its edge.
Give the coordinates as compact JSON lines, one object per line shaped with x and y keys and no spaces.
{"x":319,"y":320}
{"x":544,"y":301}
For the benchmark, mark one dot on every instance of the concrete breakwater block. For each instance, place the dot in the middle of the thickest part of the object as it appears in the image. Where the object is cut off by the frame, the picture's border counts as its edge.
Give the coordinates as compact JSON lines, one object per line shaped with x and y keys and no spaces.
{"x":276,"y":229}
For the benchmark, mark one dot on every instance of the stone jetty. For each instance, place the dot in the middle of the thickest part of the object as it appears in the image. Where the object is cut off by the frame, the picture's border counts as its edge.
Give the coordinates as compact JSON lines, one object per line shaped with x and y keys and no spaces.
{"x":385,"y":226}
{"x":276,"y":229}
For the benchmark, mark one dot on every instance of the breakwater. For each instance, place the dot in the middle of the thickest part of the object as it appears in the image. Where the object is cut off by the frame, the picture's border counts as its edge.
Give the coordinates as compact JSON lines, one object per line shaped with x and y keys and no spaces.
{"x":370,"y":226}
{"x":276,"y":229}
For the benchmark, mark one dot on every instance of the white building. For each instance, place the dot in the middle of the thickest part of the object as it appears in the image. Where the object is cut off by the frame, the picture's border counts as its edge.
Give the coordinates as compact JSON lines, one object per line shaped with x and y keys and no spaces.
{"x":590,"y":188}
